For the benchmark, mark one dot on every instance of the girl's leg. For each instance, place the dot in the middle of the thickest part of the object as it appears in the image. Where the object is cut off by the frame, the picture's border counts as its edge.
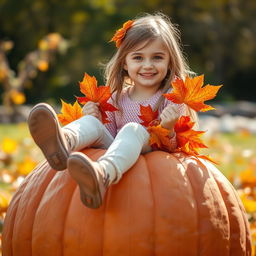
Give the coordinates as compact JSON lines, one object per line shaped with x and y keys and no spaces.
{"x":56,"y":143}
{"x":130,"y":142}
{"x":93,"y":178}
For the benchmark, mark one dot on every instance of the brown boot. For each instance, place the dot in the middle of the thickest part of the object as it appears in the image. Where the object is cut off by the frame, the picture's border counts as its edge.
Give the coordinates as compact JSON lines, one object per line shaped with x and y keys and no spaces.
{"x":46,"y":131}
{"x":91,"y":178}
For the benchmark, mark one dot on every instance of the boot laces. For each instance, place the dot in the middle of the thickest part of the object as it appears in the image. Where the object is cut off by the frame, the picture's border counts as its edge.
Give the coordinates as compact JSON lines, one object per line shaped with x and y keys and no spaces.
{"x":106,"y":179}
{"x":68,"y":140}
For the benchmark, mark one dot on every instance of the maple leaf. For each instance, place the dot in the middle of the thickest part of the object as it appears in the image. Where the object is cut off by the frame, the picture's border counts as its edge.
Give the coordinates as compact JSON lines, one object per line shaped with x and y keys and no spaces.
{"x":188,"y":140}
{"x":69,"y":112}
{"x":94,"y":93}
{"x":120,"y":33}
{"x":192,"y":93}
{"x":159,"y":137}
{"x":147,"y":115}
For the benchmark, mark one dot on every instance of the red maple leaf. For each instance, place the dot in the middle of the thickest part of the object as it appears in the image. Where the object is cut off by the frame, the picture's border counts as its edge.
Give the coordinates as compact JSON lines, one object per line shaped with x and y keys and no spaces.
{"x":159,"y":136}
{"x":188,"y":140}
{"x":147,"y":115}
{"x":94,"y":93}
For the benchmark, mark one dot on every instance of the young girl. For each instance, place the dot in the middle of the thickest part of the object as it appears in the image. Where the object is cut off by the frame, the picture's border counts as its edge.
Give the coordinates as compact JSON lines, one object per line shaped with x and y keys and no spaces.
{"x":149,"y":56}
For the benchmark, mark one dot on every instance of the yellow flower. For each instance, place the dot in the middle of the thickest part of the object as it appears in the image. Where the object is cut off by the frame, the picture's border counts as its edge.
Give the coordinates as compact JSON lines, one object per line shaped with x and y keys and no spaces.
{"x":248,"y":177}
{"x":5,"y":199}
{"x":17,"y":97}
{"x":9,"y":146}
{"x":43,"y":65}
{"x":249,"y":204}
{"x":53,"y":40}
{"x":26,"y":166}
{"x":43,"y":45}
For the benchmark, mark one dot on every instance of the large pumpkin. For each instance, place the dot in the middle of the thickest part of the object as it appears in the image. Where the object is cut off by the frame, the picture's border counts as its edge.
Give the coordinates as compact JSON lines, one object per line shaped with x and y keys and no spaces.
{"x":167,"y":204}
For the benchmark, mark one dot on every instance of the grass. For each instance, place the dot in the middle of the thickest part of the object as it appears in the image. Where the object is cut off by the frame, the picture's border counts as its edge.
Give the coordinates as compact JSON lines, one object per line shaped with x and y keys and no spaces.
{"x":14,"y":131}
{"x":235,"y":152}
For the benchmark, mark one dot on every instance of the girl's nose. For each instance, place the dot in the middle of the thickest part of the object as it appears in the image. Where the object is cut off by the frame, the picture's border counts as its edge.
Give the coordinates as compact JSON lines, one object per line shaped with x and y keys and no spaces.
{"x":147,"y":64}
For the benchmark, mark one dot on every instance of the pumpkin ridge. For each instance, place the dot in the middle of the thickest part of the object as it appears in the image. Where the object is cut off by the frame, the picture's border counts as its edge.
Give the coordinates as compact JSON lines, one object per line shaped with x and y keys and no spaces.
{"x":153,"y":200}
{"x":60,"y":185}
{"x":65,"y":220}
{"x":72,"y":232}
{"x":184,"y":156}
{"x":210,"y":207}
{"x":12,"y":211}
{"x":234,"y":245}
{"x":219,"y":177}
{"x":104,"y":206}
{"x":22,"y":219}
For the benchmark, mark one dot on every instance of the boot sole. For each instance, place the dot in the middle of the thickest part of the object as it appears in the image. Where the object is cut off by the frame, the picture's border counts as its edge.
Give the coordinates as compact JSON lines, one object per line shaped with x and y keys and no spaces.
{"x":83,"y":173}
{"x":45,"y":129}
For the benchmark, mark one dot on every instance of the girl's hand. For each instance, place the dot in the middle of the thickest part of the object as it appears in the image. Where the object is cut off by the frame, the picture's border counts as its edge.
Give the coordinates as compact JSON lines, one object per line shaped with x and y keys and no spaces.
{"x":92,"y":108}
{"x":169,"y":117}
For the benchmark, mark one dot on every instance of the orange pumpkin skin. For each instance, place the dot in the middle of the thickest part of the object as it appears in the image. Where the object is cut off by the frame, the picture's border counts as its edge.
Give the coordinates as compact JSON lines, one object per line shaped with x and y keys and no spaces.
{"x":167,"y":204}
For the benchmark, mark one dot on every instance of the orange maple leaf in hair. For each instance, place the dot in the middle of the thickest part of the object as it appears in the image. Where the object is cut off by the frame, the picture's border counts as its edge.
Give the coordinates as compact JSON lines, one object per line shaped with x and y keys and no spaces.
{"x":69,"y":112}
{"x":120,"y":33}
{"x":192,"y":93}
{"x":94,"y":93}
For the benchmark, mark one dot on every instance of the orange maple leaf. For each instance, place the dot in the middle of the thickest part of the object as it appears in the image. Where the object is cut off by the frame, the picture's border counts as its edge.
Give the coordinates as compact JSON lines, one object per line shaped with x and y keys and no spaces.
{"x":69,"y":112}
{"x":186,"y":135}
{"x":120,"y":33}
{"x":188,"y":140}
{"x":159,"y":137}
{"x":147,"y":115}
{"x":93,"y":93}
{"x":192,"y":93}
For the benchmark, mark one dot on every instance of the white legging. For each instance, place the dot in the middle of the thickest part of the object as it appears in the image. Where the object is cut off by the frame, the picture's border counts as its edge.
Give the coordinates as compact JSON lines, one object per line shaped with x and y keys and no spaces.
{"x":122,"y":151}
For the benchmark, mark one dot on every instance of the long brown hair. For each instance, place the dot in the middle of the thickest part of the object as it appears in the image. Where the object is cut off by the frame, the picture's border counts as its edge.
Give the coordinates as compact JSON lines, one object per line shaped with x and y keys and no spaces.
{"x":145,"y":29}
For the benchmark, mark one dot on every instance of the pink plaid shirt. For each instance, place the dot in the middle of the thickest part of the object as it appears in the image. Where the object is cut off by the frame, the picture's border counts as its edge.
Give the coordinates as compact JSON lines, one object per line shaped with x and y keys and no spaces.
{"x":131,"y":112}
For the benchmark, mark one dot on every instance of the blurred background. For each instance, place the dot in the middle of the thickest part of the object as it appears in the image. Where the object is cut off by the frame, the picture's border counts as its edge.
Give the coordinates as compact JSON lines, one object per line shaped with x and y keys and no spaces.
{"x":47,"y":45}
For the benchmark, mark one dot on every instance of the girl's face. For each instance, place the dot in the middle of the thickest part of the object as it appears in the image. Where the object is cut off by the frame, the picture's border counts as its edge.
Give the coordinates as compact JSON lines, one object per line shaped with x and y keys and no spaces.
{"x":148,"y":64}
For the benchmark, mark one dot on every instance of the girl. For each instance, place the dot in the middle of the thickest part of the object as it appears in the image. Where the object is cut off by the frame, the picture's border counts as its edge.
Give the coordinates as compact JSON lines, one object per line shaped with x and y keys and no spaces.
{"x":149,"y":57}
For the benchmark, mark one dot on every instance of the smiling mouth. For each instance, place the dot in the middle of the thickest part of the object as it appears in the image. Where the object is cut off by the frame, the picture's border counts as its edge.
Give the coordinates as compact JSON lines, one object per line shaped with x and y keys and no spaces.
{"x":147,"y":74}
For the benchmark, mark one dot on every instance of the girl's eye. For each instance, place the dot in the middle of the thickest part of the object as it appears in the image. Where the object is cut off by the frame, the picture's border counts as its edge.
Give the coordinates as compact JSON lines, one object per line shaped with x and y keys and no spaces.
{"x":158,"y":57}
{"x":137,"y":57}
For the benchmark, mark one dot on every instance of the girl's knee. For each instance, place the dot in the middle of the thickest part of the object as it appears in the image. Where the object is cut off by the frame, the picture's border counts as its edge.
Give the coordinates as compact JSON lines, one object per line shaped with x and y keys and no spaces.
{"x":92,"y":120}
{"x":133,"y":127}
